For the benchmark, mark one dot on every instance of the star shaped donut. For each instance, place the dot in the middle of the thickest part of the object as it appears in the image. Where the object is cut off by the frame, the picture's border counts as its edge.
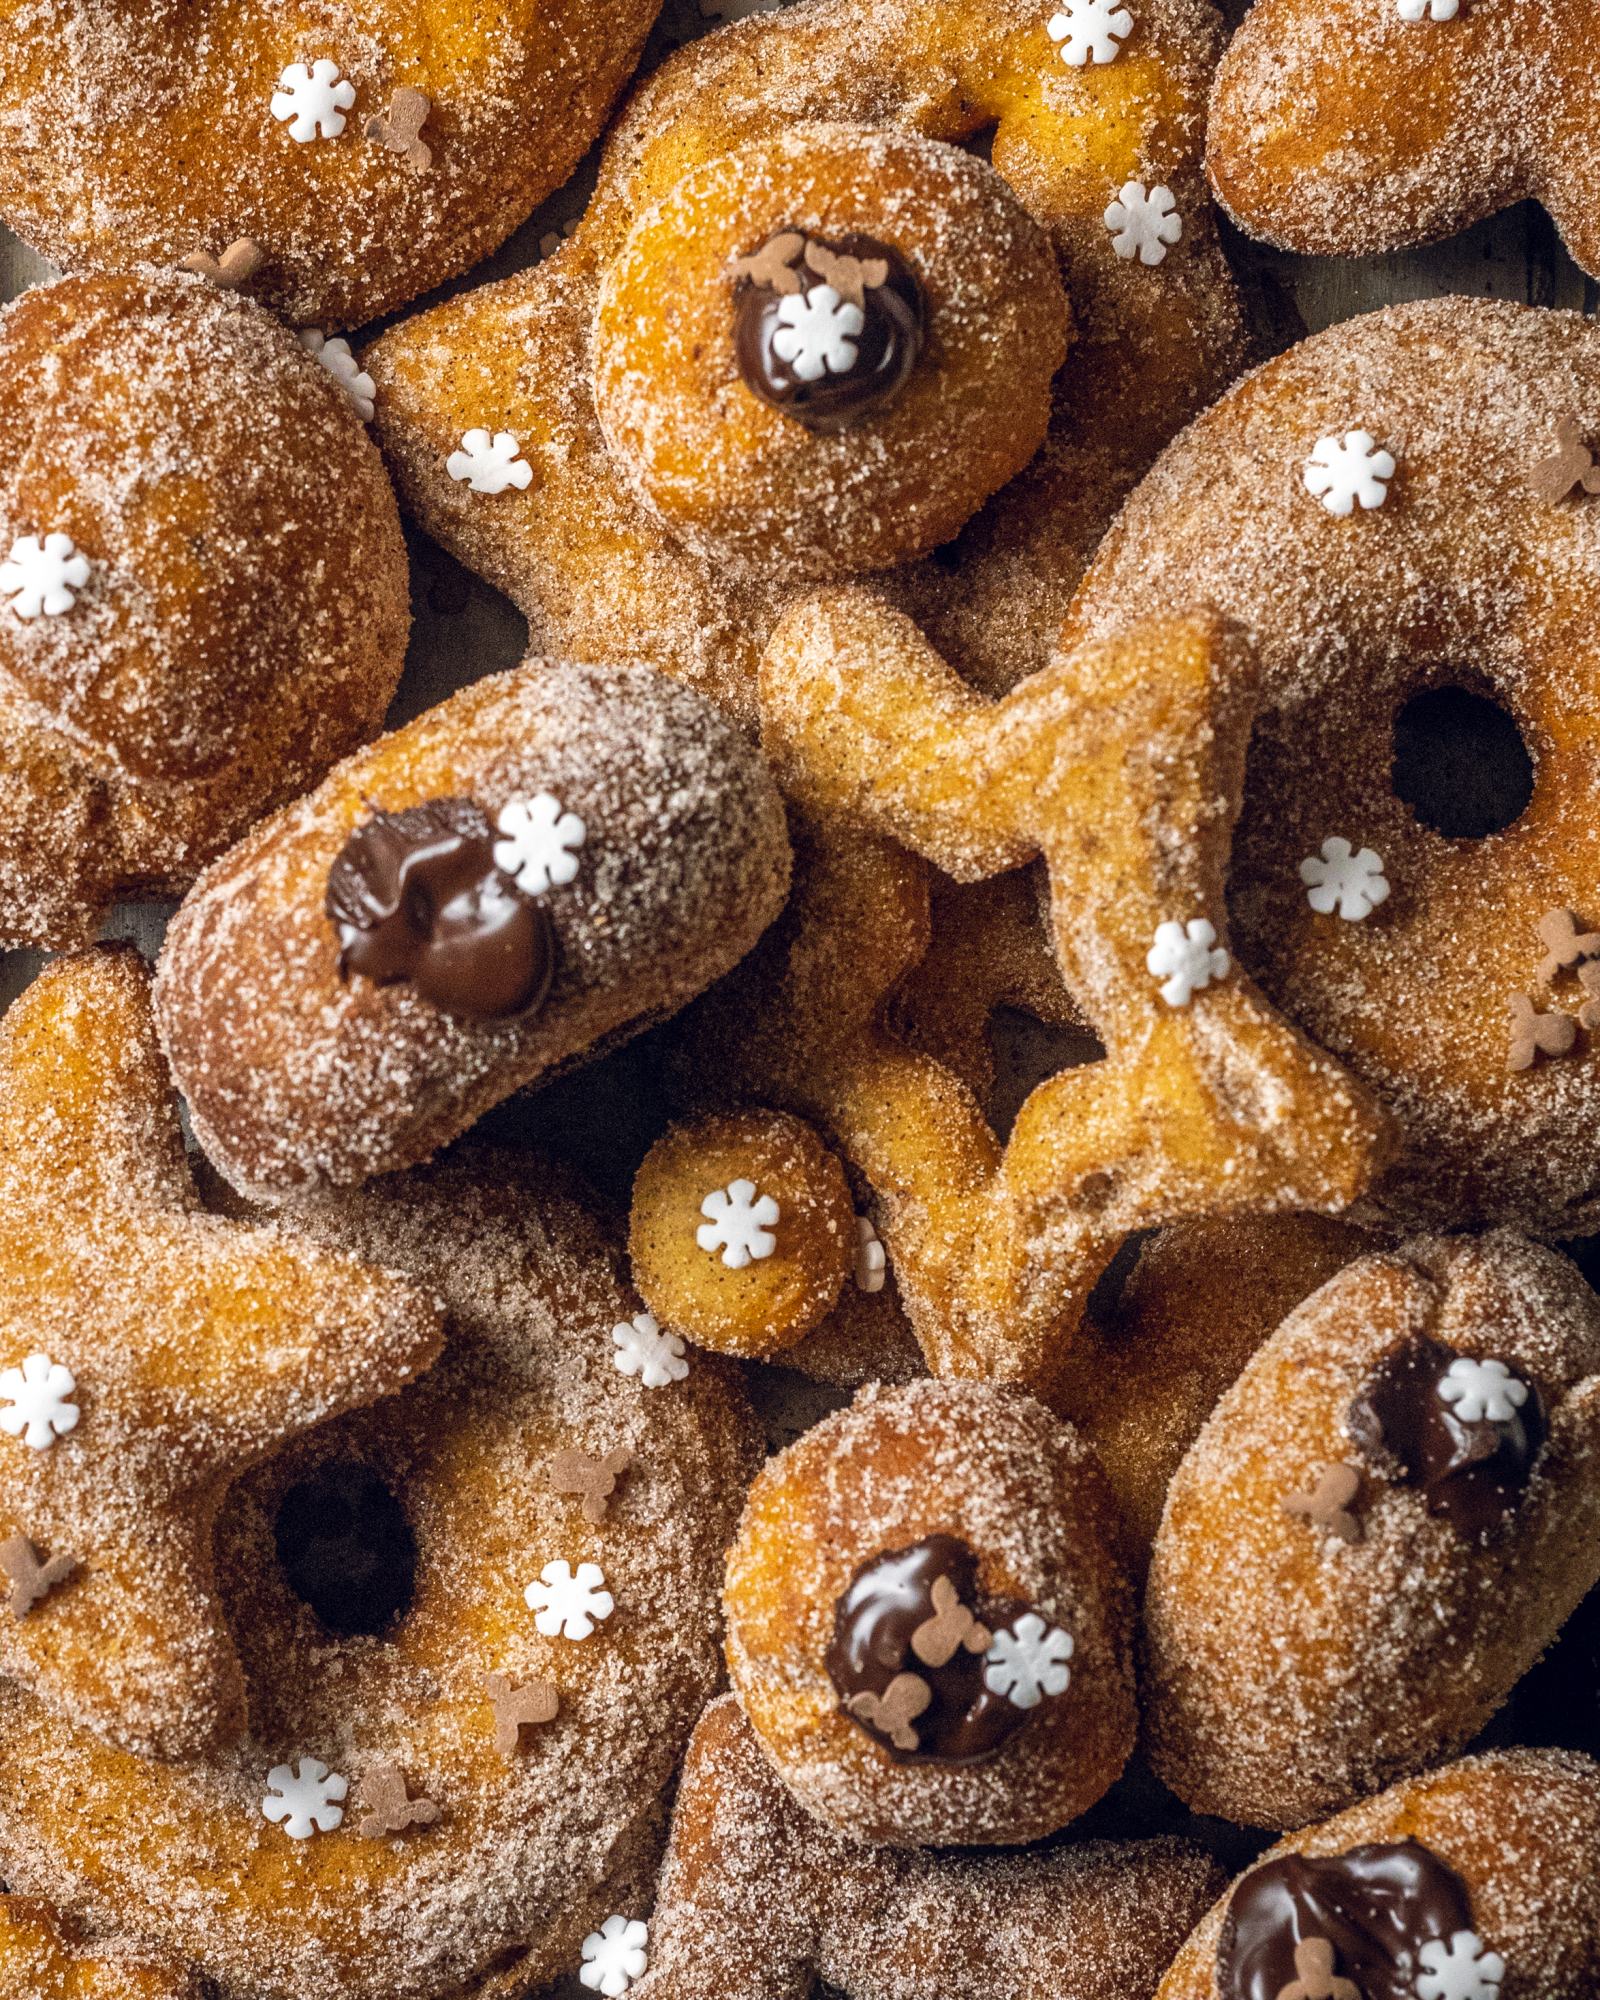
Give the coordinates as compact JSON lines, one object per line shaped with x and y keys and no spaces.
{"x":1350,"y":127}
{"x":149,"y":1352}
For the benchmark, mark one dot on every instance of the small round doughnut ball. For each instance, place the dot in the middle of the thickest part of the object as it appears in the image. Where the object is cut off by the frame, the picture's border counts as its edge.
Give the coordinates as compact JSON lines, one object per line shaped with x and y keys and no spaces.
{"x":1504,"y":1848}
{"x":742,"y":1231}
{"x":821,"y":353}
{"x":231,"y":609}
{"x":927,"y":1621}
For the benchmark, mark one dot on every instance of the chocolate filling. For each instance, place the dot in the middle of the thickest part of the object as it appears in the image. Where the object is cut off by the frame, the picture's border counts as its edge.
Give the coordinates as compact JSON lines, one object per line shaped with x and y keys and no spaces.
{"x":1471,"y":1473}
{"x":886,"y":347}
{"x":416,"y":895}
{"x":1377,"y":1907}
{"x":888,"y":1599}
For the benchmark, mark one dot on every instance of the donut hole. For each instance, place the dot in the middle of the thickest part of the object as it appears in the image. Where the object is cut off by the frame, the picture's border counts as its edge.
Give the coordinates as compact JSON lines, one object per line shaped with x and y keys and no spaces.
{"x":347,"y":1550}
{"x":1026,"y":1051}
{"x":1460,"y":762}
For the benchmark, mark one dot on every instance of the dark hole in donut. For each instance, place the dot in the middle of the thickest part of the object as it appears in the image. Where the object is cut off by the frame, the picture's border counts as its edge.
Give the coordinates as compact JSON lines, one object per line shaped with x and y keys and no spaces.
{"x":1460,"y":763}
{"x":1025,"y":1052}
{"x":347,"y":1549}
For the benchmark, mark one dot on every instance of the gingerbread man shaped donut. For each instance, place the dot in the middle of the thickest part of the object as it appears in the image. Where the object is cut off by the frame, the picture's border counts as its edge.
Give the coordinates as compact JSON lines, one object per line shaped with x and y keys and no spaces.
{"x":794,"y":290}
{"x":336,"y":162}
{"x":1355,"y":126}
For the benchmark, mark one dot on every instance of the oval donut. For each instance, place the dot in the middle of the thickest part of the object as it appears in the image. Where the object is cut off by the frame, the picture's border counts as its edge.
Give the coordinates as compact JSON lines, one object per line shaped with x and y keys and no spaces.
{"x":144,"y":134}
{"x":1461,"y":572}
{"x":530,"y":1835}
{"x":297,"y":1076}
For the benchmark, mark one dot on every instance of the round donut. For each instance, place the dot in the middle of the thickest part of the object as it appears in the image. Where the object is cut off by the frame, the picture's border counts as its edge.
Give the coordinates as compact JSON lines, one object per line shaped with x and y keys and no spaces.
{"x":1384,"y":1524}
{"x":44,"y":1958}
{"x":928,"y":1625}
{"x":203,"y":597}
{"x":1442,"y":1886}
{"x":742,"y":1232}
{"x":1417,"y":957}
{"x":415,"y":1619}
{"x":365,"y":152}
{"x":824,"y":350}
{"x":542,"y":865}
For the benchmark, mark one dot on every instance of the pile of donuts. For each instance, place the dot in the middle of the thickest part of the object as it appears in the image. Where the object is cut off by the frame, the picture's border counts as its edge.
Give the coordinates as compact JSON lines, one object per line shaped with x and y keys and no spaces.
{"x":873,"y":1281}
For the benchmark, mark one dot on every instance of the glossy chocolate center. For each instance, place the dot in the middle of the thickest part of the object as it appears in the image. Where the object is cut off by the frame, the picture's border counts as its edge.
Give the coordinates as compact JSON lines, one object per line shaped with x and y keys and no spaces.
{"x":1471,"y":1473}
{"x":889,"y":1600}
{"x":832,"y":344}
{"x":1377,"y":1907}
{"x":416,"y":896}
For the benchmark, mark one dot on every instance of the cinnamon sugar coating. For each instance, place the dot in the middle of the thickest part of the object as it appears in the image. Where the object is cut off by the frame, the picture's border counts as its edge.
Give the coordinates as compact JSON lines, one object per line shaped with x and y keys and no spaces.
{"x":44,"y":1958}
{"x":1521,"y":1828}
{"x":298,"y":1078}
{"x":1022,"y":1493}
{"x":244,"y":619}
{"x":1344,"y":129}
{"x":758,"y":1901}
{"x":595,"y":572}
{"x":1462,"y":576}
{"x":1291,"y":1671}
{"x":195,"y":1346}
{"x":529,"y":1849}
{"x":146,"y":132}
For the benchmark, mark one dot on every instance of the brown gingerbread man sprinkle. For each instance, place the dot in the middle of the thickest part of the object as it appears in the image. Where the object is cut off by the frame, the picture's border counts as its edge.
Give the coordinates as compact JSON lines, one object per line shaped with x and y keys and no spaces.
{"x":389,"y":1808}
{"x":1564,"y":944}
{"x":893,"y":1712}
{"x":1570,"y":466}
{"x":595,"y":1478}
{"x":1328,"y":1504}
{"x":772,"y":264}
{"x":233,"y":270}
{"x":1589,"y":980}
{"x":851,"y":277}
{"x":399,"y":130}
{"x":31,"y":1580}
{"x":518,"y":1708}
{"x":952,"y":1626}
{"x":1315,"y":1977}
{"x":1534,"y":1034}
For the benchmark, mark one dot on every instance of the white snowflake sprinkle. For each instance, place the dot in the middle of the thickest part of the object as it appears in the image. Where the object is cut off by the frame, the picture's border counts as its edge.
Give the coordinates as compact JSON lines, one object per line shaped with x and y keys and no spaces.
{"x":1459,"y":1970}
{"x":490,"y":464}
{"x":39,"y":1393}
{"x":871,"y":1260}
{"x":1186,"y":958}
{"x":1090,"y":31}
{"x":615,"y":1956}
{"x":1144,"y":222}
{"x":342,"y":365}
{"x":569,"y":1605}
{"x":1434,"y":10}
{"x":1482,"y":1391}
{"x":538,"y":844}
{"x":43,"y":576}
{"x":1340,"y":878}
{"x":312,"y":102}
{"x":816,"y":333}
{"x":304,"y":1798}
{"x":642,"y":1349}
{"x":1028,"y":1662}
{"x":740,"y":1224}
{"x":1343,"y":472}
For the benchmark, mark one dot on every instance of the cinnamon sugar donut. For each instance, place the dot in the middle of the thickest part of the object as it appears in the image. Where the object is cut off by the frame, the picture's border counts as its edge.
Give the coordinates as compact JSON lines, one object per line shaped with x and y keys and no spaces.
{"x":203,"y":597}
{"x":927,"y":1621}
{"x":459,"y":1732}
{"x":43,"y":1958}
{"x":542,"y":865}
{"x":1448,"y":1885}
{"x":368,"y":150}
{"x":1381,"y":1528}
{"x":1398,"y":514}
{"x":896,"y":321}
